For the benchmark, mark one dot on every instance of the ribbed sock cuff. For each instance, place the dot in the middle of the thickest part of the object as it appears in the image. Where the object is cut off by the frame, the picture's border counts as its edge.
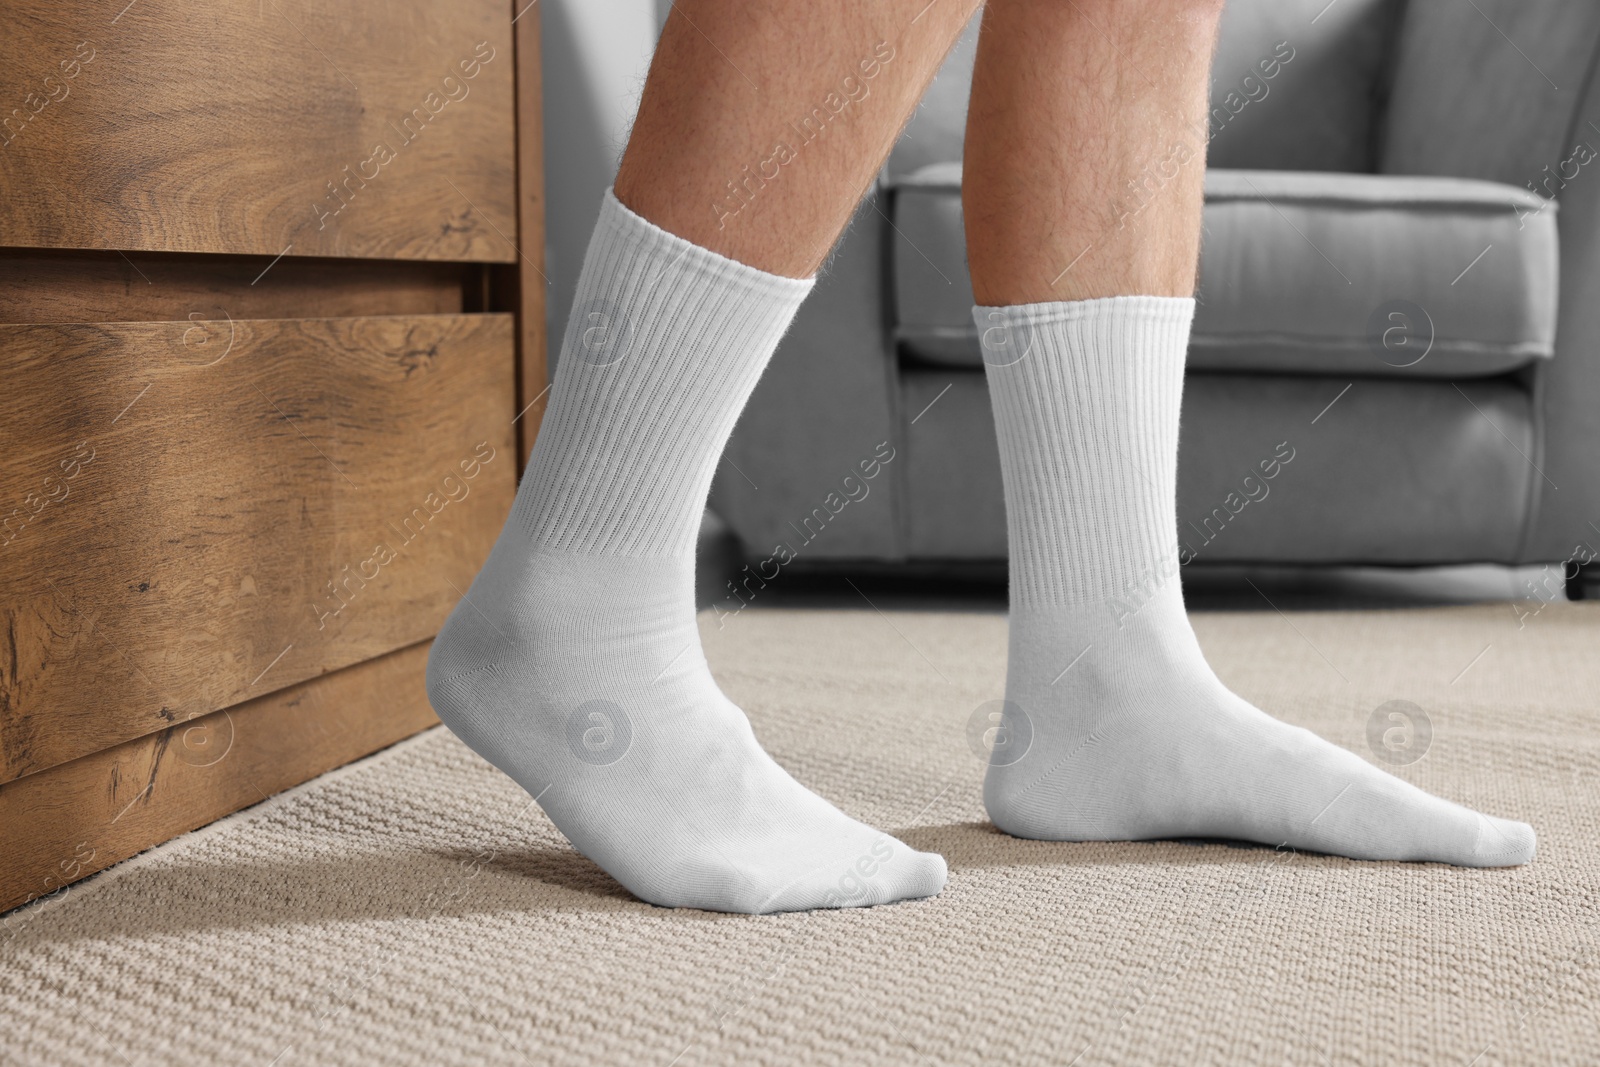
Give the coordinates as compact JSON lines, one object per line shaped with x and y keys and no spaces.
{"x":1086,"y":397}
{"x":665,"y":343}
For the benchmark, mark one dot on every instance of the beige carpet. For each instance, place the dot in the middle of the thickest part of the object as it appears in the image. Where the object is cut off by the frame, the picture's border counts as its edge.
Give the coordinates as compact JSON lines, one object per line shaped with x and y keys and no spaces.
{"x":412,"y":909}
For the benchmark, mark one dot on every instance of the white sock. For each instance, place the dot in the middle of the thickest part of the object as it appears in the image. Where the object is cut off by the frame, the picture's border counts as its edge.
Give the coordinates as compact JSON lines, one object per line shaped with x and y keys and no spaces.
{"x":1118,"y":728}
{"x":574,"y":664}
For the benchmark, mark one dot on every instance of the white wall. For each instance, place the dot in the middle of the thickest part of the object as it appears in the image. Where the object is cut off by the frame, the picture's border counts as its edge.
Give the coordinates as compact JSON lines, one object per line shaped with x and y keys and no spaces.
{"x":595,"y":54}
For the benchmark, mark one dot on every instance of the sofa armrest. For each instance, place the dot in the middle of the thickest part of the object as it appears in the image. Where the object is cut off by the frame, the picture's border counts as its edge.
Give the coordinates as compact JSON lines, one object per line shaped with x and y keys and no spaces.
{"x":1566,"y":519}
{"x":1467,"y":103}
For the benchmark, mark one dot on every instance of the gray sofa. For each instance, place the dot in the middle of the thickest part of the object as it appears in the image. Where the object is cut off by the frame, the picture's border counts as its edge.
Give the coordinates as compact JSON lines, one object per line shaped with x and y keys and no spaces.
{"x":1399,"y":311}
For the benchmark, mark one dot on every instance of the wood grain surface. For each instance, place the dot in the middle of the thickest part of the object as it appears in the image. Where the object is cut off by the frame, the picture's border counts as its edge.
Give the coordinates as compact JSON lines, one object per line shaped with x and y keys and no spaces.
{"x":196,"y":513}
{"x":83,"y":816}
{"x":47,"y":286}
{"x":325,"y":129}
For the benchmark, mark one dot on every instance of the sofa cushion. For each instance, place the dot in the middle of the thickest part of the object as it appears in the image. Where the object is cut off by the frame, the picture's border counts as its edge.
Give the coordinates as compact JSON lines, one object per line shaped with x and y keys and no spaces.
{"x":1300,"y":273}
{"x":1297,"y":84}
{"x":1465,"y":102}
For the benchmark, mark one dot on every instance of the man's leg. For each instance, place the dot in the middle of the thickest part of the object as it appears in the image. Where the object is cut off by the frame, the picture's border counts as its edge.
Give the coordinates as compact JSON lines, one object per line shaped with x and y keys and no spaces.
{"x":762,"y":125}
{"x":1085,"y":149}
{"x":573,"y":663}
{"x":1082,"y":186}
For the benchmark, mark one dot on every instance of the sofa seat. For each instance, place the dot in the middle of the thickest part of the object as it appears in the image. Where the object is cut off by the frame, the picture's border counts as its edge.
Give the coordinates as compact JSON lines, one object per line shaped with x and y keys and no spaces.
{"x":1390,"y":470}
{"x":1300,"y":273}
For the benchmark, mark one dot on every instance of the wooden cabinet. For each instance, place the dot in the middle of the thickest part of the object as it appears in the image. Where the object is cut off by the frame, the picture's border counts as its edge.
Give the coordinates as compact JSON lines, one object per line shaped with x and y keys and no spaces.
{"x":338,"y":128}
{"x":271,"y":341}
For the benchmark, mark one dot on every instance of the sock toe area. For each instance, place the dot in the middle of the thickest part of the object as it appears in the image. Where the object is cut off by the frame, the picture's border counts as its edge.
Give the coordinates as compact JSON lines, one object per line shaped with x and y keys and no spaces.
{"x":1504,"y":843}
{"x":886,"y":871}
{"x":926,"y":875}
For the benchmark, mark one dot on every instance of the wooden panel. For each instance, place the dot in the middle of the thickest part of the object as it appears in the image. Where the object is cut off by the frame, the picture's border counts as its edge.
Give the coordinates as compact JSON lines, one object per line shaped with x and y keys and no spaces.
{"x":330,"y":129}
{"x":533,"y":370}
{"x":70,"y":821}
{"x":40,"y":286}
{"x":195,"y":514}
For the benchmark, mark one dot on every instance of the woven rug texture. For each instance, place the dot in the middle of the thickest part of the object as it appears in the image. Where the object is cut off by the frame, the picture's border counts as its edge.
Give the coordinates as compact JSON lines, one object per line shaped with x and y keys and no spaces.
{"x":413,"y":908}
